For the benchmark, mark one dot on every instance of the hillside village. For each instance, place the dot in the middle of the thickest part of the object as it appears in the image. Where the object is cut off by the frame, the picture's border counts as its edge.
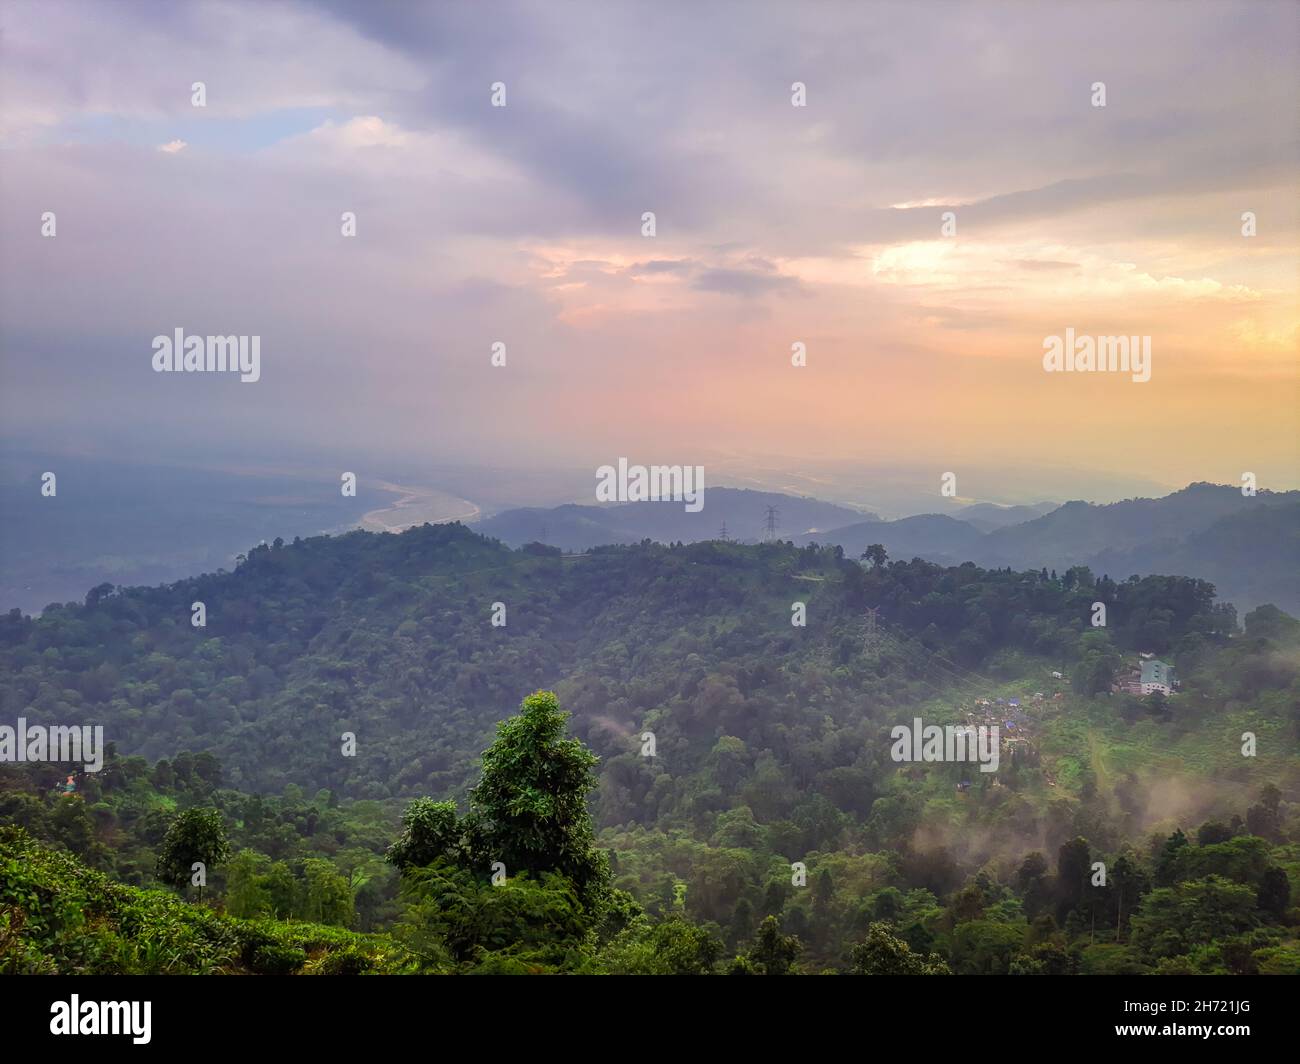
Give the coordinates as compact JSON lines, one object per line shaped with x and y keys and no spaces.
{"x":1018,"y":719}
{"x":1147,"y":675}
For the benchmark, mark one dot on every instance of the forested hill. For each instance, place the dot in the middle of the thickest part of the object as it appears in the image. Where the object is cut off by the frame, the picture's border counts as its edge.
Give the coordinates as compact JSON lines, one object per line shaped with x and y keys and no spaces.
{"x":738,"y":751}
{"x":391,"y":638}
{"x":576,"y":527}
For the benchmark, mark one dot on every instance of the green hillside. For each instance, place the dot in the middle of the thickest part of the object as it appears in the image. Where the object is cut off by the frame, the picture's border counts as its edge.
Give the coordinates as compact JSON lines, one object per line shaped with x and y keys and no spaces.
{"x":739,"y":810}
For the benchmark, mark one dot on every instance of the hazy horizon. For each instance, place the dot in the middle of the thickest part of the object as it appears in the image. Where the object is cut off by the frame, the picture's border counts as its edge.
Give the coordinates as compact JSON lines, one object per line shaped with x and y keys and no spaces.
{"x":775,"y":225}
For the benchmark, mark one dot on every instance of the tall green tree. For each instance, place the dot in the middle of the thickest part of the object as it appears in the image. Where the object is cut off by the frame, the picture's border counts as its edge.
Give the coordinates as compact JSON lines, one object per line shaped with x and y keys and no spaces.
{"x":1073,"y":873}
{"x":529,"y":809}
{"x":876,"y":555}
{"x":430,"y":830}
{"x":247,"y":895}
{"x":882,"y":953}
{"x":196,"y":836}
{"x":774,"y":953}
{"x":328,"y":898}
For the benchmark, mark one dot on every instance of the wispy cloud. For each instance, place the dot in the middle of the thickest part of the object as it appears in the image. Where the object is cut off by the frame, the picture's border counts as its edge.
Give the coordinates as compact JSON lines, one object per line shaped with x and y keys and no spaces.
{"x":522,"y":224}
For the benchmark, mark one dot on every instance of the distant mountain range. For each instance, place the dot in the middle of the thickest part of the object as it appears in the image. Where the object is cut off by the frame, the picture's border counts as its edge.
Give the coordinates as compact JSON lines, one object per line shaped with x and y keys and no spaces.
{"x":1249,"y":547}
{"x":135,"y":525}
{"x":987,"y":516}
{"x":575,"y":528}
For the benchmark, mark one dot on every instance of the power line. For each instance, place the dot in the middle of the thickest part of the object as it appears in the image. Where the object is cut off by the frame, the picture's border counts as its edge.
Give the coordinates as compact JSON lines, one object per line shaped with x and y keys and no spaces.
{"x":980,"y":683}
{"x":916,"y":657}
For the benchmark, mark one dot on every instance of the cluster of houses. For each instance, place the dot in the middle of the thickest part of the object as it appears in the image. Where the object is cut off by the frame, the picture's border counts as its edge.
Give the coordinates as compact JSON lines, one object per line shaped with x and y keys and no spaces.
{"x":1009,"y":717}
{"x":1147,"y":675}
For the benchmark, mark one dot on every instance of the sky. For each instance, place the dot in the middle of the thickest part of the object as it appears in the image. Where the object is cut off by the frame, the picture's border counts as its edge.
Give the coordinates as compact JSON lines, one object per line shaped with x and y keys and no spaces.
{"x":775,"y":224}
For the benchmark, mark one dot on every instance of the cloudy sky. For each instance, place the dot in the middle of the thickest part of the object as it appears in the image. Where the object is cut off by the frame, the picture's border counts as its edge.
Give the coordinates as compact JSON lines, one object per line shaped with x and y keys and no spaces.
{"x":775,"y":224}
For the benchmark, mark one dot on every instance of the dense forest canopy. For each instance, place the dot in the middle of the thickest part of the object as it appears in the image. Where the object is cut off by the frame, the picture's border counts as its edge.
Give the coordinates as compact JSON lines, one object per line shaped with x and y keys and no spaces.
{"x":391,"y":638}
{"x":716,"y":794}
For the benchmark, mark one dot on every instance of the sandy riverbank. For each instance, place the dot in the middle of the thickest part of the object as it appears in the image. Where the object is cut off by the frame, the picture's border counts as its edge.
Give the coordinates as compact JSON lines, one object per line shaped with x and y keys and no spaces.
{"x":417,"y":506}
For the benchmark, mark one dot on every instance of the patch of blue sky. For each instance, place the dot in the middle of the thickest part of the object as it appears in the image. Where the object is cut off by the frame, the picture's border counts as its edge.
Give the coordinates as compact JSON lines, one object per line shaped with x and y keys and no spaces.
{"x":199,"y":131}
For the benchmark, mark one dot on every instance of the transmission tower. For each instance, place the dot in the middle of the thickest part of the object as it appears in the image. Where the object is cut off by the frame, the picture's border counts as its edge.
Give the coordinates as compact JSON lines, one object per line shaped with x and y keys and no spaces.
{"x":872,"y":639}
{"x":722,"y":533}
{"x":769,"y":534}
